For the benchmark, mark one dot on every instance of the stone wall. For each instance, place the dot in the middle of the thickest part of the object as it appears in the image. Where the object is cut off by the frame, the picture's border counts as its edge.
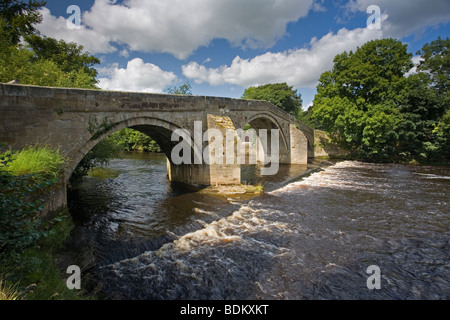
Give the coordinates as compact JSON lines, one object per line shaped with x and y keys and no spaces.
{"x":324,"y":147}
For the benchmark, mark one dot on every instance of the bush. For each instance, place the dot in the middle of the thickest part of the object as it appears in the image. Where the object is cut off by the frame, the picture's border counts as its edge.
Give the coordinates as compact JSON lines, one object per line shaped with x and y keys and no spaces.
{"x":28,"y":243}
{"x":42,"y":163}
{"x":22,"y":174}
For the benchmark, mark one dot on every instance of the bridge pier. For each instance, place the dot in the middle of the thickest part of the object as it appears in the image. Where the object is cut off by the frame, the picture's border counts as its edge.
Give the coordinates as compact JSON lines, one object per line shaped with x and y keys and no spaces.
{"x":214,"y":167}
{"x":204,"y":174}
{"x":299,"y":146}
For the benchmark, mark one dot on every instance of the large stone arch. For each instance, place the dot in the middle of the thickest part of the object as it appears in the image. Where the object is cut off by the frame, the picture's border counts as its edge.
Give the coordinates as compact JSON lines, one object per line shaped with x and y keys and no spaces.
{"x":158,"y":129}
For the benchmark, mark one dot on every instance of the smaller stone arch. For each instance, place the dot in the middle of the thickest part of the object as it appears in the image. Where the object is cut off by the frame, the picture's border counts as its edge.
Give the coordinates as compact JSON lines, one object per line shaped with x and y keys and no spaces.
{"x":268,"y":122}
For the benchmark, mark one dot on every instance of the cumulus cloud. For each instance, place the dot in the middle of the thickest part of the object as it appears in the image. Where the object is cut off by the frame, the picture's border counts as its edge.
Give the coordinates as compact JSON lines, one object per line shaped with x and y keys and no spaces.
{"x":416,"y":60}
{"x":92,"y":40}
{"x":318,"y":6}
{"x":303,"y":67}
{"x":406,"y":17}
{"x":178,"y":27}
{"x":299,"y":68}
{"x":137,"y":76}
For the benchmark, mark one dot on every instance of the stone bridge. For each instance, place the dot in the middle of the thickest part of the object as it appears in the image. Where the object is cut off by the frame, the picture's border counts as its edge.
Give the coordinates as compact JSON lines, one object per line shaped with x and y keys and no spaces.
{"x":75,"y":120}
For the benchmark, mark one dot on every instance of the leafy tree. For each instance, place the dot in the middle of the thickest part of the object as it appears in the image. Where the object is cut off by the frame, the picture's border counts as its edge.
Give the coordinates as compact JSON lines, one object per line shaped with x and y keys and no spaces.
{"x":39,"y":60}
{"x":436,"y":63}
{"x":67,"y":56}
{"x":442,"y":132}
{"x":185,"y":89}
{"x":279,"y":94}
{"x":420,"y":110}
{"x":20,"y":64}
{"x":375,"y":109}
{"x":133,"y":140}
{"x":307,"y":118}
{"x":359,"y":100}
{"x":19,"y":18}
{"x":422,"y":134}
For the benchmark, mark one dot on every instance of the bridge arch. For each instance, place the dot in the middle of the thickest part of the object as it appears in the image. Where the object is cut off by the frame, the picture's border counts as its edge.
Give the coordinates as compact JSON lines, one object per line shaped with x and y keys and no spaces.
{"x":158,"y":129}
{"x":268,"y":122}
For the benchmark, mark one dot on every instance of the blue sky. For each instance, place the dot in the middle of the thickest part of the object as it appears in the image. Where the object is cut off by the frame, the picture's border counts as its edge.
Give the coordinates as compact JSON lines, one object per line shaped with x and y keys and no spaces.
{"x":222,"y":47}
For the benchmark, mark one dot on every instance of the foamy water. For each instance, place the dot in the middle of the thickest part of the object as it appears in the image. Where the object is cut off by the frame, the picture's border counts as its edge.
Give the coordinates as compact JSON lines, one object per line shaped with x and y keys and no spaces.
{"x":313,"y":239}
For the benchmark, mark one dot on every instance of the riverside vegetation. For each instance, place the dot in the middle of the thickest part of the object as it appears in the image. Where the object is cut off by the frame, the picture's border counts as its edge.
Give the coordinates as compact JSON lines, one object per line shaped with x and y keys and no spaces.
{"x":30,"y":243}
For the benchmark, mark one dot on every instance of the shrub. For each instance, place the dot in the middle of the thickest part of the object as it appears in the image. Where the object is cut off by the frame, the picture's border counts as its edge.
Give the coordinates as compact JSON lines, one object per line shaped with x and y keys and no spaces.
{"x":42,"y":163}
{"x":22,"y":174}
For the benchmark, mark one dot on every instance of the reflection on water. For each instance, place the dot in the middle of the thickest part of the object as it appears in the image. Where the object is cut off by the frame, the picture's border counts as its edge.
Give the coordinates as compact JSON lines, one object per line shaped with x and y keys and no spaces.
{"x":311,"y":239}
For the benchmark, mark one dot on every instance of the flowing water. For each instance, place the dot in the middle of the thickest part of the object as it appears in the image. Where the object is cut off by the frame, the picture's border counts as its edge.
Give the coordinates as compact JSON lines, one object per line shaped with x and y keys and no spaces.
{"x":311,"y":236}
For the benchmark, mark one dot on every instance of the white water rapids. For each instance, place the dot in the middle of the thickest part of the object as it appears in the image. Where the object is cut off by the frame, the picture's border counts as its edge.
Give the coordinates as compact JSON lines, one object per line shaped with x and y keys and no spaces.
{"x":312,"y":239}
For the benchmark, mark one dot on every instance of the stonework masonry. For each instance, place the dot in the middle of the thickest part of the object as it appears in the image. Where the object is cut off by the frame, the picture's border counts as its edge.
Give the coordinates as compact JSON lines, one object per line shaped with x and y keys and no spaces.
{"x":75,"y":120}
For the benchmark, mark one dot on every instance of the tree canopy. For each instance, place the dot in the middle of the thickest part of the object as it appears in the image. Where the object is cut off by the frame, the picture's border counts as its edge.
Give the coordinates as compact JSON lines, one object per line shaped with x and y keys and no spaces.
{"x":19,"y":18}
{"x":68,"y":56}
{"x":38,"y":60}
{"x":184,"y":89}
{"x":427,"y":107}
{"x":279,"y":94}
{"x":375,"y":109}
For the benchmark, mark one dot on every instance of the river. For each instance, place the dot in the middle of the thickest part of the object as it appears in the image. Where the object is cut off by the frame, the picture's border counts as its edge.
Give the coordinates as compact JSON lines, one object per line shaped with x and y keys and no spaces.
{"x":312,"y":235}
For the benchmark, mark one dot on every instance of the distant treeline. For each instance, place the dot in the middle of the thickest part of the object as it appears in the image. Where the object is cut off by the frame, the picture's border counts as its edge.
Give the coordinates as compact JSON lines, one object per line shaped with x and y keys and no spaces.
{"x":133,"y":140}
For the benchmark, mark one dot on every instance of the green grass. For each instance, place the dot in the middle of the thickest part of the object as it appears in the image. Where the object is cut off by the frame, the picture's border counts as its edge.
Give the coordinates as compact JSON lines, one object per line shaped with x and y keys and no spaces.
{"x":43,"y":163}
{"x":254,"y":189}
{"x":7,"y":291}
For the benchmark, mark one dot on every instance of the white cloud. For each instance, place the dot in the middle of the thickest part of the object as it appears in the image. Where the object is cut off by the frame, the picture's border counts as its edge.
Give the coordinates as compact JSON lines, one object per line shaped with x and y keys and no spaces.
{"x":137,"y":76}
{"x":91,"y":40}
{"x":416,"y":60}
{"x":299,"y":68}
{"x":124,"y":53}
{"x":303,"y":67}
{"x":178,"y":27}
{"x":318,"y":6}
{"x":406,"y":17}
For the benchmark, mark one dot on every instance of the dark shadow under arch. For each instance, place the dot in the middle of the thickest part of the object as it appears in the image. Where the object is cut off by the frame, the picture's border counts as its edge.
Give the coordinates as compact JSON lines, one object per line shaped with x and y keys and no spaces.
{"x":158,"y":129}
